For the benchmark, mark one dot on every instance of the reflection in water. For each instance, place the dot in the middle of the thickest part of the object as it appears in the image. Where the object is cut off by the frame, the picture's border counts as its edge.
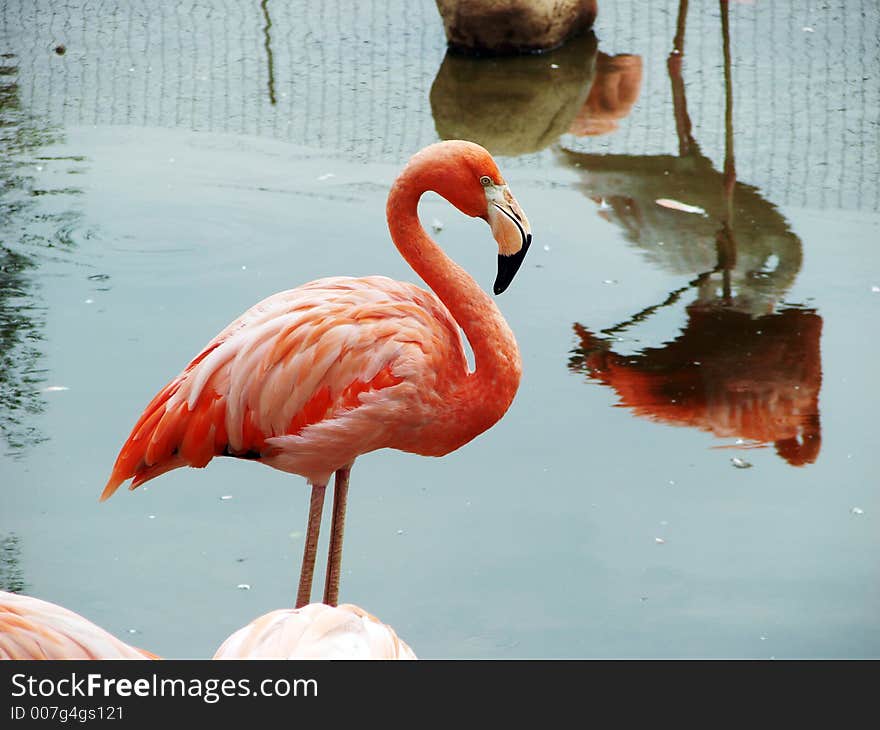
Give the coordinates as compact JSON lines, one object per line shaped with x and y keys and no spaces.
{"x":768,"y":255}
{"x":745,"y":365}
{"x":27,"y":231}
{"x":21,"y":319}
{"x":728,"y":373}
{"x":513,"y":105}
{"x":267,"y":44}
{"x":11,"y":575}
{"x":616,"y":86}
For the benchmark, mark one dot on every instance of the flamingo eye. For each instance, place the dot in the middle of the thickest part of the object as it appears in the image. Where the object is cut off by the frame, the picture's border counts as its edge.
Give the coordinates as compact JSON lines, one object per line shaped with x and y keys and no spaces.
{"x":485,"y":181}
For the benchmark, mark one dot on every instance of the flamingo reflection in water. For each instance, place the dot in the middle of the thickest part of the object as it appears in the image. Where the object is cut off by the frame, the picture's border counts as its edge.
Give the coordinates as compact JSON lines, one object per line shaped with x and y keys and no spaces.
{"x":731,"y":374}
{"x":31,"y":628}
{"x":747,"y":364}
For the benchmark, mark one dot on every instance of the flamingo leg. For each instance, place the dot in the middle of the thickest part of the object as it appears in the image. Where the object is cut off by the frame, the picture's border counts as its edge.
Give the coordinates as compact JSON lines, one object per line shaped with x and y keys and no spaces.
{"x":337,"y":527}
{"x":316,"y":507}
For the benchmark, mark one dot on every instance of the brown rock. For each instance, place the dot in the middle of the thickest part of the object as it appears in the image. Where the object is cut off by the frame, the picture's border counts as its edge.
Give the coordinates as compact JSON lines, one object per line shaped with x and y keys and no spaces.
{"x":505,"y":27}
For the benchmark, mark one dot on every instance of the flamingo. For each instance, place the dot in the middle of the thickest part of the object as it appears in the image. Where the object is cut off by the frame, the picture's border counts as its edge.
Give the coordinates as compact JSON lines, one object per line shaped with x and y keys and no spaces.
{"x":311,"y":378}
{"x":316,"y":631}
{"x":34,"y":629}
{"x":31,"y":628}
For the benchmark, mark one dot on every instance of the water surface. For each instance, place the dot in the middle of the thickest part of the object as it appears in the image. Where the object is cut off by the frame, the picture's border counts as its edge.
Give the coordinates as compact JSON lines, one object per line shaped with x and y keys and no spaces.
{"x":689,"y":468}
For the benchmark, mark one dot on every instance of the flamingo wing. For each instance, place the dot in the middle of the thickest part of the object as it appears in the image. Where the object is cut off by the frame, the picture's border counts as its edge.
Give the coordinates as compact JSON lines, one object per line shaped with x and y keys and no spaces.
{"x":269,"y":384}
{"x":35,"y":629}
{"x":316,"y":631}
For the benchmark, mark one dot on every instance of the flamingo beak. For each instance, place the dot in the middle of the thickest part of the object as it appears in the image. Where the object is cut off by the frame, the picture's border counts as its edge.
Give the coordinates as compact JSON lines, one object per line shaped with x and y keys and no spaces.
{"x":511,"y":230}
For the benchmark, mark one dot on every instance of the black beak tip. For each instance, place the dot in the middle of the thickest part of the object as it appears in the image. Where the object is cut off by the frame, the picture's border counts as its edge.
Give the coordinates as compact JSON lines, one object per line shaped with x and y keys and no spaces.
{"x":509,"y":265}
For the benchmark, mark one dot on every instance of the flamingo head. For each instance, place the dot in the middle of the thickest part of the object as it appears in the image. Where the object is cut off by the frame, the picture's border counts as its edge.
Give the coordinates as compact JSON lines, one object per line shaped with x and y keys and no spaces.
{"x":467,"y":176}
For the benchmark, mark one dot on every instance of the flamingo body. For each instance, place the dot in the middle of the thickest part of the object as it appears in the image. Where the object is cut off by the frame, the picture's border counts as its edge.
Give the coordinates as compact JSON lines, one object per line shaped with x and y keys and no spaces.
{"x":35,"y":629}
{"x":309,"y":379}
{"x":315,"y":631}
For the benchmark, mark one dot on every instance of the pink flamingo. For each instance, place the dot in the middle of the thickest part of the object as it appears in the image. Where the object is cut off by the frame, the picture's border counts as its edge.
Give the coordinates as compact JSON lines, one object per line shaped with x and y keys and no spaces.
{"x":316,"y":631}
{"x":35,"y":629}
{"x":311,"y":378}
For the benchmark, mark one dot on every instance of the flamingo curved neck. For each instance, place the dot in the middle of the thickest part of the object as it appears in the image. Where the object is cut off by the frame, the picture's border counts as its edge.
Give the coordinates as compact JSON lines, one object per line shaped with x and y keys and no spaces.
{"x":498,"y":365}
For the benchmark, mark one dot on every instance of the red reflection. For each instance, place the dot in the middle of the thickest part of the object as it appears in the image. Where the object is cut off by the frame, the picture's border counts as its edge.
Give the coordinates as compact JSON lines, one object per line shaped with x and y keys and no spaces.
{"x":729,"y":373}
{"x":616,"y":86}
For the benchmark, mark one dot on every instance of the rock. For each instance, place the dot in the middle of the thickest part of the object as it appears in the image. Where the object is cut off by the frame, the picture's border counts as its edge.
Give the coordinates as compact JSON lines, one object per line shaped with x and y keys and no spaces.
{"x":513,"y":106}
{"x":505,"y":27}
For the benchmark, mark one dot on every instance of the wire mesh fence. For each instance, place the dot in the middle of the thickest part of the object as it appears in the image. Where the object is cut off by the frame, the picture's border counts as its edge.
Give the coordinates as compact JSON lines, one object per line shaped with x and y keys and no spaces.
{"x":354,"y":78}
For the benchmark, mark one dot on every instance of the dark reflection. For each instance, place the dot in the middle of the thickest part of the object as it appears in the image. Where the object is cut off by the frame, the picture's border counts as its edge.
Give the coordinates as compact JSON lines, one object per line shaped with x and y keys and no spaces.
{"x":11,"y":574}
{"x":267,"y":44}
{"x":26,"y":231}
{"x":746,"y":365}
{"x":513,"y":105}
{"x":767,"y":256}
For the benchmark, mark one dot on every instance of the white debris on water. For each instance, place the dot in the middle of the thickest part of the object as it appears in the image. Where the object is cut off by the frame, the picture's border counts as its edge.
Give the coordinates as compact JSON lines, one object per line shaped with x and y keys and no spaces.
{"x":875,"y":289}
{"x":659,"y":541}
{"x":857,"y":511}
{"x":554,"y":65}
{"x":546,"y":247}
{"x":400,"y":532}
{"x":609,"y":281}
{"x":437,"y":225}
{"x":243,"y":586}
{"x":326,"y":176}
{"x":151,"y":517}
{"x":740,"y":463}
{"x":225,"y":497}
{"x":678,"y":205}
{"x":55,"y":388}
